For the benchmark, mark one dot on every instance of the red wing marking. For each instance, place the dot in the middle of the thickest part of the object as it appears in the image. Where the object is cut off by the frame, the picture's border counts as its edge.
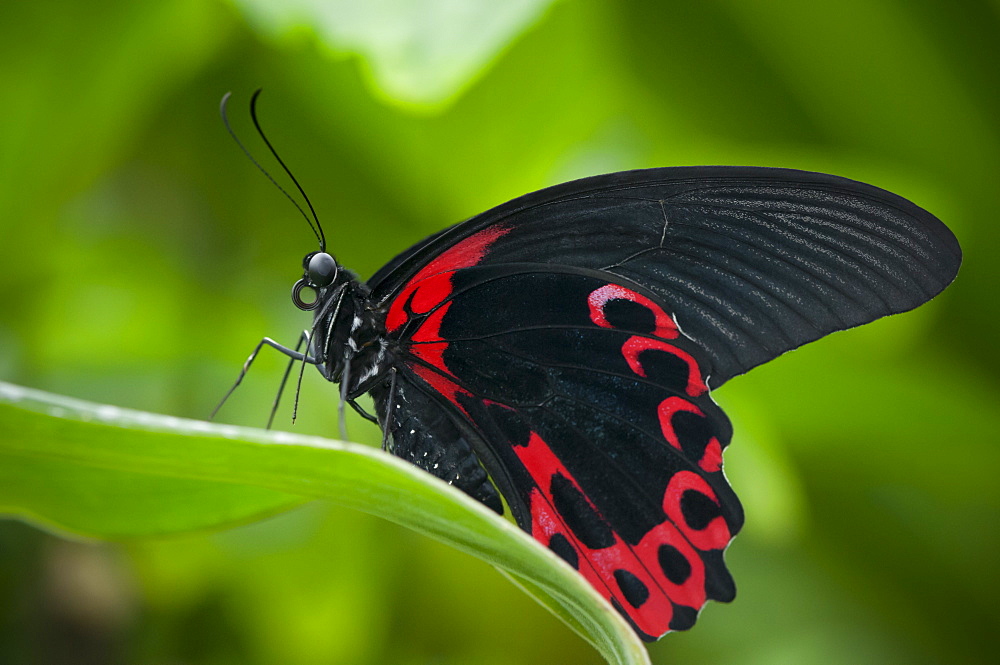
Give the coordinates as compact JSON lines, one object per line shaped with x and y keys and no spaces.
{"x":426,"y":291}
{"x":715,"y":535}
{"x":711,"y":458}
{"x":659,"y":580}
{"x":542,"y":464}
{"x":431,"y":351}
{"x":429,"y":288}
{"x":440,"y":383}
{"x":665,"y":326}
{"x":635,"y":346}
{"x":430,"y":292}
{"x":666,"y":411}
{"x":431,"y":347}
{"x":645,"y":581}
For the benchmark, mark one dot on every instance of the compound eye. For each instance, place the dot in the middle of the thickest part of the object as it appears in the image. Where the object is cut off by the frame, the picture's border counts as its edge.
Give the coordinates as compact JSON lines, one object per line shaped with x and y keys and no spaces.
{"x":321,"y":269}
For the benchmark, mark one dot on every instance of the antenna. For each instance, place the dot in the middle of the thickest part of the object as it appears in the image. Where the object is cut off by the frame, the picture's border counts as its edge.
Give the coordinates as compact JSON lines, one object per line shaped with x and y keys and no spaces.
{"x":317,"y":229}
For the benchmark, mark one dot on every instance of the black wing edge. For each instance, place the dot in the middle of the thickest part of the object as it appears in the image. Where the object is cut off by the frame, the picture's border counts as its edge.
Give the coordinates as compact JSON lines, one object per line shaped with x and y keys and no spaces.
{"x":392,"y":276}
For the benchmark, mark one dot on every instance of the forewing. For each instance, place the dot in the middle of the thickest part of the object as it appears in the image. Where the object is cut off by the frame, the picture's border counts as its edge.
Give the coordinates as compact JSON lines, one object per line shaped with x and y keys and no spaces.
{"x":591,"y":413}
{"x":752,"y":262}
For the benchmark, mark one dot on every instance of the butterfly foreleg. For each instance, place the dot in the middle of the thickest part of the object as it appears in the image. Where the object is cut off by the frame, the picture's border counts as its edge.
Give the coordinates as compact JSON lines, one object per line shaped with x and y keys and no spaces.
{"x":293,"y":355}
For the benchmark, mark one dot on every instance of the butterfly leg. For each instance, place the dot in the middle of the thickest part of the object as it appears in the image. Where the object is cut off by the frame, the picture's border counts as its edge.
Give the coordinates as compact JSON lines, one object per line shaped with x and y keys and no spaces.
{"x":344,"y":382}
{"x":388,"y":410}
{"x":361,"y":412}
{"x":304,"y":337}
{"x":293,"y":354}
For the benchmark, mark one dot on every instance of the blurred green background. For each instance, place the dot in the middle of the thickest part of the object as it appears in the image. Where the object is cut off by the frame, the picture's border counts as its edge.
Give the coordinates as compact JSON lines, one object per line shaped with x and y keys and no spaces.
{"x":142,"y":257}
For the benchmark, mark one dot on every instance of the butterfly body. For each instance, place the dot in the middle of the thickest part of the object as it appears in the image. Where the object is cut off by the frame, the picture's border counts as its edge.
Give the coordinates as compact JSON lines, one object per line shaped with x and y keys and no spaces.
{"x":561,"y":348}
{"x":347,"y":344}
{"x":425,"y":435}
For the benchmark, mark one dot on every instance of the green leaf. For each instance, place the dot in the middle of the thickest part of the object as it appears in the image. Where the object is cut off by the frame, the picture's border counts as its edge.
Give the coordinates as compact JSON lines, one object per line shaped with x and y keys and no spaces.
{"x":113,"y":473}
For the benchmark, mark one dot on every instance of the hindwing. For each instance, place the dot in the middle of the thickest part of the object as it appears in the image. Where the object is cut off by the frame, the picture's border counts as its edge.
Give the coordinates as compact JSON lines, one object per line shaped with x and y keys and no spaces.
{"x":591,"y":412}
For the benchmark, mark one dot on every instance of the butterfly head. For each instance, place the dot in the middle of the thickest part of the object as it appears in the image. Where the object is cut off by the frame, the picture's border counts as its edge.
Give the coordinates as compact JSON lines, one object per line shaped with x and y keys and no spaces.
{"x":320,"y":268}
{"x":320,"y":272}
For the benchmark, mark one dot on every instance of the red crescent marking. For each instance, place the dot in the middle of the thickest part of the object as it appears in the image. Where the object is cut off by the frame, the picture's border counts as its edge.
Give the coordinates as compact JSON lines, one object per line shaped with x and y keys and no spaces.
{"x":716,"y":535}
{"x":665,"y":326}
{"x":711,"y":457}
{"x":635,"y":345}
{"x":666,"y":411}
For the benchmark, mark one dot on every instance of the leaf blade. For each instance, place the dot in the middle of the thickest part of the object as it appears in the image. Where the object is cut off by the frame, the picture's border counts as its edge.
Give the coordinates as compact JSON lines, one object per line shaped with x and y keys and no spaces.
{"x":61,"y":431}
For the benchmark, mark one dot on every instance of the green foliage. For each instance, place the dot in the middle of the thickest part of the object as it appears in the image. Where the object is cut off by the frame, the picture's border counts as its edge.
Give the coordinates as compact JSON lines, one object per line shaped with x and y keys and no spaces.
{"x":140,"y":474}
{"x":141,"y":258}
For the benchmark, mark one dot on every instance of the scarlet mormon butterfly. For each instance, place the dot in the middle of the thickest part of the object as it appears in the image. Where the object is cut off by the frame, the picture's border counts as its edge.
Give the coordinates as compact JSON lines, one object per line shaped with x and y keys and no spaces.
{"x":560,"y":348}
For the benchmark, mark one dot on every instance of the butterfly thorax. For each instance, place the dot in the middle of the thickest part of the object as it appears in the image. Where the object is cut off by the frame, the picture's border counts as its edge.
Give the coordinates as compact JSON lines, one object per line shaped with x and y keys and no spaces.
{"x":348,"y":337}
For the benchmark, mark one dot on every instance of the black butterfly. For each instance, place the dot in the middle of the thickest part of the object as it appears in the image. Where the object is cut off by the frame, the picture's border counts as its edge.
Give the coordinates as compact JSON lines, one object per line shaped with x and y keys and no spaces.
{"x":560,"y":348}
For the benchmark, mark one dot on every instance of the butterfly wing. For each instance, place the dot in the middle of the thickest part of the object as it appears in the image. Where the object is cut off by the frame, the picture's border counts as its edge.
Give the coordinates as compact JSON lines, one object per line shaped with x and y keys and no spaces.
{"x":753,"y":262}
{"x":546,"y":330}
{"x":591,"y":413}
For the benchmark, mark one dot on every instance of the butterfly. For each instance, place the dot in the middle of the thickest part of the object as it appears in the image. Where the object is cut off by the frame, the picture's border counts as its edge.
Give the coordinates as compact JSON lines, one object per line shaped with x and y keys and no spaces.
{"x":559,"y":350}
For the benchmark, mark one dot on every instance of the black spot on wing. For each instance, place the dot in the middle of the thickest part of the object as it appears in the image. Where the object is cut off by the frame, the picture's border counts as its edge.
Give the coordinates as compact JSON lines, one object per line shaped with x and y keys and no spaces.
{"x":561,"y":546}
{"x":632,"y":588}
{"x":588,"y":526}
{"x":666,"y":369}
{"x":674,"y":565}
{"x":631,"y":316}
{"x":698,"y":510}
{"x":694,"y":432}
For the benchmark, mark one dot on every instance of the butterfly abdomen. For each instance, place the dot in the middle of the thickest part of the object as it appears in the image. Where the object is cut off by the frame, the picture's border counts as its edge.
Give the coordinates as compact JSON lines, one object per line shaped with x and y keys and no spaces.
{"x":422,"y":433}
